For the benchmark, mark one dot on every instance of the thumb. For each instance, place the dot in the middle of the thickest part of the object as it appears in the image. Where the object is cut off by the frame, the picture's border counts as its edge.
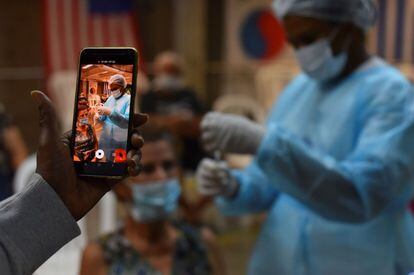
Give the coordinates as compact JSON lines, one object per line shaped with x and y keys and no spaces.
{"x":140,"y":119}
{"x":47,"y":118}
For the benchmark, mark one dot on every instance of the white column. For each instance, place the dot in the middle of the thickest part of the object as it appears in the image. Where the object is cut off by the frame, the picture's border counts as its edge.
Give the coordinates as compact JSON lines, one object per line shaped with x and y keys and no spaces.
{"x":190,"y":39}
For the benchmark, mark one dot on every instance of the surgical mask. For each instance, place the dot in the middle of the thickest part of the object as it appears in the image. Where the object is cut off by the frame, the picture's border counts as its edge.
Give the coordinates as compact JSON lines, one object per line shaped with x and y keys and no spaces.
{"x":154,"y":201}
{"x":318,"y":61}
{"x":116,"y":94}
{"x":83,"y":121}
{"x":168,"y":82}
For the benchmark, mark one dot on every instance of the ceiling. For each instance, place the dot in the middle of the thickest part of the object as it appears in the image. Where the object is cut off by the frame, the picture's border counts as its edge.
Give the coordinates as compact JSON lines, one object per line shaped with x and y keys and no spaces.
{"x":102,"y":73}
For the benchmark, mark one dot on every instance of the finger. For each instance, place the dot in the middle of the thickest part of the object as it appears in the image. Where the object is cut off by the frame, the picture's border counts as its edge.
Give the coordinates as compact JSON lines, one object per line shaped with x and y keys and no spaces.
{"x":209,"y":191}
{"x":134,"y":157}
{"x":208,"y":167}
{"x":133,"y":161}
{"x":211,"y":184}
{"x":134,"y":170}
{"x":207,"y":178}
{"x":206,"y":163}
{"x":217,"y":169}
{"x":137,"y":141}
{"x":47,"y":119}
{"x":139,"y":119}
{"x":222,"y":174}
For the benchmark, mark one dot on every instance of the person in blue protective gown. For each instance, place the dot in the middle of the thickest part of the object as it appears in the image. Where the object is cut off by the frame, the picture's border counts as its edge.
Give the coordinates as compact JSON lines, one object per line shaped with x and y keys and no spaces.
{"x":114,"y":115}
{"x":334,"y":164}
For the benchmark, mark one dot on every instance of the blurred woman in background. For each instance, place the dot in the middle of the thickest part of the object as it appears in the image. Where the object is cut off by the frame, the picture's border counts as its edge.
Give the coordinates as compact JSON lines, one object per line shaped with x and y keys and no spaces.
{"x":150,"y":241}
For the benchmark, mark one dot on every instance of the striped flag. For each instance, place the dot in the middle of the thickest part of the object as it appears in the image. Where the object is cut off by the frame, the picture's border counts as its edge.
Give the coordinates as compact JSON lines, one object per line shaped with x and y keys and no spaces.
{"x":70,"y":25}
{"x":393,"y":35}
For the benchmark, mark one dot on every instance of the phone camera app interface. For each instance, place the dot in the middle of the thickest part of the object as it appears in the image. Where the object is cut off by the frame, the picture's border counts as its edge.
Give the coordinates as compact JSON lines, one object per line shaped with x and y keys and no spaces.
{"x":103,"y":113}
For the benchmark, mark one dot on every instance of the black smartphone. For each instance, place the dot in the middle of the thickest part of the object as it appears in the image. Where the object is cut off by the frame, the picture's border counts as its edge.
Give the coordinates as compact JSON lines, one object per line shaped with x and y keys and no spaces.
{"x":103,"y":112}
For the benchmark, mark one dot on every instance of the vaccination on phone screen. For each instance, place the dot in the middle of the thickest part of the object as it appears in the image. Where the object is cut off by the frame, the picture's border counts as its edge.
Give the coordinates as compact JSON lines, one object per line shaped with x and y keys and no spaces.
{"x":103,"y":113}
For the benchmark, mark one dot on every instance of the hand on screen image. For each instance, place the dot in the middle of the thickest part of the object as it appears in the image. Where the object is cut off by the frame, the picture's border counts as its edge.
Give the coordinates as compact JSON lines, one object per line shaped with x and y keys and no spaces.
{"x":54,"y":161}
{"x":104,"y":111}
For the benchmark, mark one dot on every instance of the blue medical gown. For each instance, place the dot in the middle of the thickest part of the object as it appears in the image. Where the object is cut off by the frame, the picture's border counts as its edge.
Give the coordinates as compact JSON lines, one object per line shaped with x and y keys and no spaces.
{"x":335,"y":174}
{"x":115,"y":126}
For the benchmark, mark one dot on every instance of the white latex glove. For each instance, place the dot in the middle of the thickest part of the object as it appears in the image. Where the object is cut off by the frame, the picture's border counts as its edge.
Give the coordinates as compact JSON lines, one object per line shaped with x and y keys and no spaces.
{"x":231,"y":133}
{"x":102,"y":110}
{"x":214,"y":179}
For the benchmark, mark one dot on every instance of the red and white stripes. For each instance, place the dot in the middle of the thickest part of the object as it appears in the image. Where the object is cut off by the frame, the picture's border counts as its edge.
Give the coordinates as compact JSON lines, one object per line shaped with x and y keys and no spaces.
{"x":69,"y":26}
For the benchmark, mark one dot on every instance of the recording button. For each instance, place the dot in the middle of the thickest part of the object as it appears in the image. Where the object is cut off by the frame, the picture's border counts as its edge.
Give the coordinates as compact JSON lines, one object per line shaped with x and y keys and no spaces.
{"x":120,"y":155}
{"x":99,"y":154}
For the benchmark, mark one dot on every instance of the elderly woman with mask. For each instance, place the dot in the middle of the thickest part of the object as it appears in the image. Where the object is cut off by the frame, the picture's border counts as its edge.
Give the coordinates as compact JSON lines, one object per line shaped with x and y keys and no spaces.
{"x":333,"y":166}
{"x":150,"y":240}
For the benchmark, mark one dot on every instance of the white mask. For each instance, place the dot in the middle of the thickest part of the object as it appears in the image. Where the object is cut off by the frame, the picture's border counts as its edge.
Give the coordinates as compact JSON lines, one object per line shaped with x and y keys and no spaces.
{"x":155,"y":201}
{"x":116,"y":94}
{"x":168,"y":82}
{"x":318,"y":61}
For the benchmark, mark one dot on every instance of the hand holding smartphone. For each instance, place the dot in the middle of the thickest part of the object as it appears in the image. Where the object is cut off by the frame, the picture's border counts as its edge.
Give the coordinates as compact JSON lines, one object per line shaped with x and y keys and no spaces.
{"x":103,"y":114}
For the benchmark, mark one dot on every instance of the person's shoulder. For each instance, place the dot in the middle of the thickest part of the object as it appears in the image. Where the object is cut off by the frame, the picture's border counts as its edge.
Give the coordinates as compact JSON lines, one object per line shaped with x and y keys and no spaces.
{"x":93,"y":261}
{"x":385,"y":74}
{"x":109,"y":100}
{"x":93,"y":251}
{"x":93,"y":255}
{"x":298,"y":84}
{"x":386,"y":87}
{"x":296,"y":87}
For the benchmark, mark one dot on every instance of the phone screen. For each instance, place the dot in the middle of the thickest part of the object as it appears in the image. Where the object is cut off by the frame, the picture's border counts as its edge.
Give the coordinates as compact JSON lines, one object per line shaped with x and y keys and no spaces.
{"x":106,"y":89}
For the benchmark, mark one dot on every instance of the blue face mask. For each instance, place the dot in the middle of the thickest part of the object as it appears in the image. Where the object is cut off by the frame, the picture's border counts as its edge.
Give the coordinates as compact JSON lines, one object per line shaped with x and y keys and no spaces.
{"x":84,"y":121}
{"x":318,"y":61}
{"x":155,"y":201}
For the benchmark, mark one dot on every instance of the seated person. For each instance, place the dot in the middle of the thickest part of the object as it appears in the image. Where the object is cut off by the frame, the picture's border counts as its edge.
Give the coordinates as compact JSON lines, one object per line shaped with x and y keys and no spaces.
{"x":149,"y":241}
{"x":86,"y":142}
{"x":174,"y":106}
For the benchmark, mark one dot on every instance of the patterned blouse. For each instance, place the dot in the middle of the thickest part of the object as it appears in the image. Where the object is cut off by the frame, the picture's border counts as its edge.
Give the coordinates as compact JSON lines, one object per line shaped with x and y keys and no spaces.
{"x":190,"y":256}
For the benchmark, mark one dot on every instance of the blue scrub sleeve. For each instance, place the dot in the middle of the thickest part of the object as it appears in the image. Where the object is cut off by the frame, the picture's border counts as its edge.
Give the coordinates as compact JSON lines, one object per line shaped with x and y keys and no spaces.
{"x":359,"y":187}
{"x":255,"y":193}
{"x":119,"y":119}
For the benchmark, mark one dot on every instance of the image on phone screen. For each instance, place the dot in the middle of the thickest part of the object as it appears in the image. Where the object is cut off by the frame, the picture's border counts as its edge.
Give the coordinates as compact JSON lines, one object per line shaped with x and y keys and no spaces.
{"x":103,"y":108}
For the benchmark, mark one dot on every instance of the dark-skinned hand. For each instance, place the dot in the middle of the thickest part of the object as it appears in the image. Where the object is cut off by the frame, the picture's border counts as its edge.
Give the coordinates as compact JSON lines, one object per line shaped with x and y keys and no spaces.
{"x":55,"y":165}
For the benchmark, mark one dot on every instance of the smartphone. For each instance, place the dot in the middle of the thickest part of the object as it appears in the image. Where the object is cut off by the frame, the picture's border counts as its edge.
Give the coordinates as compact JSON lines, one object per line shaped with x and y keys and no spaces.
{"x":103,"y":111}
